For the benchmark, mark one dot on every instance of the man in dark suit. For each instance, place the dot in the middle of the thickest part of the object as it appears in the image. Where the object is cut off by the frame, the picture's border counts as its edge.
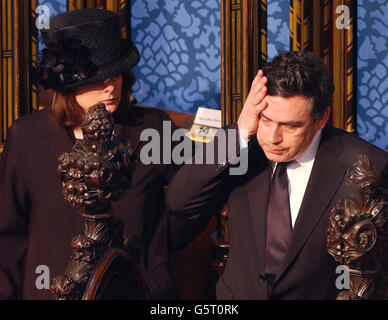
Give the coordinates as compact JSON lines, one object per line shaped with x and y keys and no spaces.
{"x":279,"y":209}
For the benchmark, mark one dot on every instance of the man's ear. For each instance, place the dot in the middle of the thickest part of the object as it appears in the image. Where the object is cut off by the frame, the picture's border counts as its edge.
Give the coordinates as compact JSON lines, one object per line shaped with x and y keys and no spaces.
{"x":322,"y":120}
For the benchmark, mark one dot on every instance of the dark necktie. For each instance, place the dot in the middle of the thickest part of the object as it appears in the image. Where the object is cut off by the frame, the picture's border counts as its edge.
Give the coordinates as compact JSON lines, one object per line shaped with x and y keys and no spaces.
{"x":278,"y":219}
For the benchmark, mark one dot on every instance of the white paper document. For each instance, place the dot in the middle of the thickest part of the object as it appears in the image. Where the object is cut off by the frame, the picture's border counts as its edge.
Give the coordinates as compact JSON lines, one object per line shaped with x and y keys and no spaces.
{"x":206,"y":123}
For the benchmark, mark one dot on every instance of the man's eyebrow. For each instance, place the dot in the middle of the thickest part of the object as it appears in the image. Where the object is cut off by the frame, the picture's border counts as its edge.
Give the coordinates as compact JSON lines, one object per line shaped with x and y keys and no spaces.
{"x":286,"y":123}
{"x":262,"y":115}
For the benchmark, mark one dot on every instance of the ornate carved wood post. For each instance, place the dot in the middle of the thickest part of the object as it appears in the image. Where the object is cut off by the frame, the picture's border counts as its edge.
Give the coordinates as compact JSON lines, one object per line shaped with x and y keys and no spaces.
{"x":96,"y":172}
{"x":357,"y":236}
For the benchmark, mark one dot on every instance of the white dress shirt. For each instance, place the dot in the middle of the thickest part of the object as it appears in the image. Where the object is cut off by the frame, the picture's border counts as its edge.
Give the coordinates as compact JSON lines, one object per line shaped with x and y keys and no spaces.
{"x":298,"y":173}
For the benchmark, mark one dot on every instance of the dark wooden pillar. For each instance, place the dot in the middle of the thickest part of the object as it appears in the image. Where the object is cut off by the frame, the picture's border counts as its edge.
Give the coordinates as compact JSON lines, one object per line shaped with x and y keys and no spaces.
{"x":243,"y":51}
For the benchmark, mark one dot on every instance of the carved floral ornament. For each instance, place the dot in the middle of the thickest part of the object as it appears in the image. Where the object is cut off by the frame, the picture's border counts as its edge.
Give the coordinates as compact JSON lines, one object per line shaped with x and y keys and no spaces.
{"x":96,"y":172}
{"x":357,"y":236}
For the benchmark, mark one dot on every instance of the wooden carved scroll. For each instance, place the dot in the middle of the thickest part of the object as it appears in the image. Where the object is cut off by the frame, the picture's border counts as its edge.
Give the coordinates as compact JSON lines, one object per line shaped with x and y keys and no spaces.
{"x":96,"y":172}
{"x":357,"y":236}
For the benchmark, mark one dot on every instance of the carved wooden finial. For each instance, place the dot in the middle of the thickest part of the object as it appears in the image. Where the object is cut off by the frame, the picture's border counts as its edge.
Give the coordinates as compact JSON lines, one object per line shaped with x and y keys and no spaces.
{"x":358,"y":232}
{"x":98,"y":169}
{"x":96,"y":172}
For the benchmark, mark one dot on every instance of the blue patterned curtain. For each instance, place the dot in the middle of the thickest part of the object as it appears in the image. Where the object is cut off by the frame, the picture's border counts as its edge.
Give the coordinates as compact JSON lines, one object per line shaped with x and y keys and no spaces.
{"x":56,"y":7}
{"x":180,"y":66}
{"x":278,"y":31}
{"x":372,"y":37}
{"x":179,"y":44}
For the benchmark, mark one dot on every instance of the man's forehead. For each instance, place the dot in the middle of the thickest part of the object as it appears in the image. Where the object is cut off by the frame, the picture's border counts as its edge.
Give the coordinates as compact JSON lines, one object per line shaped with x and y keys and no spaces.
{"x":284,"y":109}
{"x":300,"y":98}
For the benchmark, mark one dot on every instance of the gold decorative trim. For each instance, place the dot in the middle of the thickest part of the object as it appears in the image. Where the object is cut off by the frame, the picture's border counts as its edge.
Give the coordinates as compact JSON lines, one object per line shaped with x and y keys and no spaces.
{"x":262,"y":26}
{"x":33,"y":61}
{"x":75,"y":5}
{"x":301,"y":25}
{"x":313,"y":27}
{"x":9,"y":60}
{"x":344,"y":71}
{"x":124,"y":9}
{"x":112,"y":5}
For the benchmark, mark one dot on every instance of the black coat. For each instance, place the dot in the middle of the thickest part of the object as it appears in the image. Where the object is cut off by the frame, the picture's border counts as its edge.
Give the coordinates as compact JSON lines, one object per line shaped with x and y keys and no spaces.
{"x":37,"y":225}
{"x":308,"y":271}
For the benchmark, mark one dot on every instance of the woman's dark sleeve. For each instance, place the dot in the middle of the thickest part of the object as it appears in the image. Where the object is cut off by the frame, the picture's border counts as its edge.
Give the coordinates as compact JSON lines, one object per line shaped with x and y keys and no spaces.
{"x":180,"y":231}
{"x":14,"y":204}
{"x":197,"y":191}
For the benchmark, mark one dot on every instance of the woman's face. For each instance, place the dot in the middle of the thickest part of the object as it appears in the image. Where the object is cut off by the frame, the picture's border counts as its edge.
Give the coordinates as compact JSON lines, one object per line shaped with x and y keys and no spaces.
{"x":107,"y":92}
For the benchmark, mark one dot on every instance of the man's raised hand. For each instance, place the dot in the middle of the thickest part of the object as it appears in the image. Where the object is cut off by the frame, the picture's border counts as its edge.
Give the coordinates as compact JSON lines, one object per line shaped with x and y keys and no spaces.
{"x":248,"y":120}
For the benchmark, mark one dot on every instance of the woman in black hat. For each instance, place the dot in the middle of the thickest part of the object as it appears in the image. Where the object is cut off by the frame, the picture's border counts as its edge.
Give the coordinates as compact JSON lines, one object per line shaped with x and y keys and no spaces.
{"x":85,"y":62}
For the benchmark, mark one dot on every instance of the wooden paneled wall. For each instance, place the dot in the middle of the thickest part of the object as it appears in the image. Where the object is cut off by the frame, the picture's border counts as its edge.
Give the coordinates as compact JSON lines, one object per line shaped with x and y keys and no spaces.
{"x":18,"y":58}
{"x":243,"y":52}
{"x":328,"y":28}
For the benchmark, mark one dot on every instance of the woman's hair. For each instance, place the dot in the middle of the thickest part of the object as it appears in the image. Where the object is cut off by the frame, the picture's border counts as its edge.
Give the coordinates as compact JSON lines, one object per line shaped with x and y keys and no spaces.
{"x":67,"y":112}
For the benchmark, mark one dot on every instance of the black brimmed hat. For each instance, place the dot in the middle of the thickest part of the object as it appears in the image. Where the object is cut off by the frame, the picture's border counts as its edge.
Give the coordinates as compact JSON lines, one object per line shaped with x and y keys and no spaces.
{"x":84,"y":47}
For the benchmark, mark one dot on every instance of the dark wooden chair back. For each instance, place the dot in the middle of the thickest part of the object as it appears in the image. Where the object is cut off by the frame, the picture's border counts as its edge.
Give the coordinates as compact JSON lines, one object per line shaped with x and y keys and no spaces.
{"x":116,"y":277}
